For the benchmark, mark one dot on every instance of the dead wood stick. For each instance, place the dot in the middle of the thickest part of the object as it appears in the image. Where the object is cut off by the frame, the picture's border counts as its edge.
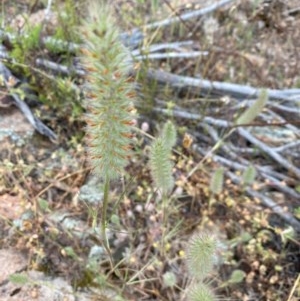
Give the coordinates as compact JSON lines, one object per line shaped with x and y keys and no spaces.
{"x":58,"y":68}
{"x":216,"y":122}
{"x":243,"y":150}
{"x":271,"y":152}
{"x":161,"y":47}
{"x":286,"y":216}
{"x":288,"y":123}
{"x":34,"y":121}
{"x":206,"y":87}
{"x":189,"y":15}
{"x":131,"y":40}
{"x":262,"y":146}
{"x":192,"y":116}
{"x":225,"y":124}
{"x":199,"y":86}
{"x":170,"y":55}
{"x":286,"y":147}
{"x":270,"y":181}
{"x":286,"y":109}
{"x":266,"y":201}
{"x":269,"y":175}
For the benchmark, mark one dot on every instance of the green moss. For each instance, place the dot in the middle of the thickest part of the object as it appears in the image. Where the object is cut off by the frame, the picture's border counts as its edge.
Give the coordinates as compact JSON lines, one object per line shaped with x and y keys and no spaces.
{"x":26,"y":43}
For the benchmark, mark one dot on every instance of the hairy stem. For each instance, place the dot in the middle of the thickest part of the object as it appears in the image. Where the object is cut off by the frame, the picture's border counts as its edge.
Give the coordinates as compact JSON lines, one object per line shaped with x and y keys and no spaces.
{"x":104,"y":220}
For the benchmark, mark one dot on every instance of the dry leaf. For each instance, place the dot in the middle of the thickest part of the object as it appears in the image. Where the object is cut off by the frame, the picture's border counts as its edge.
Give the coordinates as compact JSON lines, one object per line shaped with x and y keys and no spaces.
{"x":187,"y":140}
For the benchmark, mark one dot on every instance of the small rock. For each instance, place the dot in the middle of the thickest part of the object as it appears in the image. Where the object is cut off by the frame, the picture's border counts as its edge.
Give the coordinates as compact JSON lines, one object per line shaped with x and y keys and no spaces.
{"x":92,"y":191}
{"x":11,"y":262}
{"x":38,"y":288}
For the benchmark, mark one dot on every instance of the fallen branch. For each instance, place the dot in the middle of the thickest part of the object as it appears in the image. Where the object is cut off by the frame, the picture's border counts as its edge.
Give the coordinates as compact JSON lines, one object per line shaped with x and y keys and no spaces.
{"x":271,"y":152}
{"x":206,"y":87}
{"x":131,"y":40}
{"x":34,"y":121}
{"x":169,"y":55}
{"x":162,"y":46}
{"x":58,"y":68}
{"x":287,"y":147}
{"x":268,"y":175}
{"x":190,"y":15}
{"x":288,"y":123}
{"x":266,"y":201}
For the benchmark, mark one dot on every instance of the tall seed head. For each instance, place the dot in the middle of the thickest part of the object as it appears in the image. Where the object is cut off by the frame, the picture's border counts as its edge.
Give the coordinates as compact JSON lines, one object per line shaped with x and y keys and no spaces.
{"x":169,"y":134}
{"x":161,"y":166}
{"x":109,"y":92}
{"x":217,"y":181}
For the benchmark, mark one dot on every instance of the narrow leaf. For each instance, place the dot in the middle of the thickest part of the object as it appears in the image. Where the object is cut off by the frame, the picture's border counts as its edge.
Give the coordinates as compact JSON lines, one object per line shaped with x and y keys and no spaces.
{"x":216,"y":183}
{"x":169,"y":135}
{"x":44,"y":205}
{"x":252,"y":112}
{"x":249,"y":175}
{"x":20,"y":279}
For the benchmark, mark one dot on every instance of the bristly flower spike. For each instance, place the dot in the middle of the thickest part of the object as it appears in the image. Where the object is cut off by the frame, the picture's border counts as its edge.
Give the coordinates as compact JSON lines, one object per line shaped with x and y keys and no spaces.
{"x":161,"y":166}
{"x":169,"y":134}
{"x":109,"y":97}
{"x":201,"y":292}
{"x":201,"y":254}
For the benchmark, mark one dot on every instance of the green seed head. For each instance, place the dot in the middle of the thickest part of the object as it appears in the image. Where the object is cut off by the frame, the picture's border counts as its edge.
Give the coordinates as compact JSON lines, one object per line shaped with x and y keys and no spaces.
{"x":109,"y":92}
{"x":169,"y":134}
{"x":201,"y":254}
{"x":201,"y":292}
{"x":161,"y":166}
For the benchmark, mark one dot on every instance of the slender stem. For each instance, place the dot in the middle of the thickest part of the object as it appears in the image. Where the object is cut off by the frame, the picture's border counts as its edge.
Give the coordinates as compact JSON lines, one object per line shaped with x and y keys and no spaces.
{"x":104,"y":220}
{"x":210,"y":153}
{"x":165,"y":218}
